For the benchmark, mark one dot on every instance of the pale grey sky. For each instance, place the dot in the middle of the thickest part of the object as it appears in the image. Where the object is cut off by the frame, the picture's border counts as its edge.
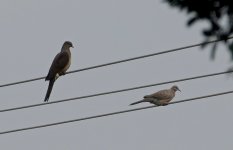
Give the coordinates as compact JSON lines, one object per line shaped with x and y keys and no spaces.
{"x":32,"y":33}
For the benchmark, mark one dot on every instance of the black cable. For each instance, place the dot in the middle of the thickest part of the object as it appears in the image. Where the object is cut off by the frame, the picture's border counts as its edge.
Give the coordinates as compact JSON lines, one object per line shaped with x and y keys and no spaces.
{"x":120,"y":61}
{"x":110,"y":114}
{"x":116,"y":91}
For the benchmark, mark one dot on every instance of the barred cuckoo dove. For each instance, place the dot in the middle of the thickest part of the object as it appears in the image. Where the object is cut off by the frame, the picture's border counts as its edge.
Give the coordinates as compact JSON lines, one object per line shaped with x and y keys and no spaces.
{"x":60,"y":65}
{"x":160,"y":98}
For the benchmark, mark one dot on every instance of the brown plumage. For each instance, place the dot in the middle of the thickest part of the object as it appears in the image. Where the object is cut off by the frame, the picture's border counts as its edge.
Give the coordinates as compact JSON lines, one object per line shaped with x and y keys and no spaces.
{"x":160,"y":98}
{"x":60,"y":65}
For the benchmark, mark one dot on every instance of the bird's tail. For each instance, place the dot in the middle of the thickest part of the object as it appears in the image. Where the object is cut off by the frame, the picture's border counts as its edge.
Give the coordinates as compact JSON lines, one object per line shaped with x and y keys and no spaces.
{"x":141,"y":101}
{"x":50,"y":87}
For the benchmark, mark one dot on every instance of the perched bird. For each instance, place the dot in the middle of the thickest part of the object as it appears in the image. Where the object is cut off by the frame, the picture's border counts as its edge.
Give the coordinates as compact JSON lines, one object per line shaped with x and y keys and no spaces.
{"x":160,"y":98}
{"x":60,"y":65}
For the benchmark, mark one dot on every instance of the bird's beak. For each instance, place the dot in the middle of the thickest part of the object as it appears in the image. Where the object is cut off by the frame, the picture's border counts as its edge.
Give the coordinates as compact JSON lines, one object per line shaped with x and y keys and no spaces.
{"x":72,"y":46}
{"x":179,"y":90}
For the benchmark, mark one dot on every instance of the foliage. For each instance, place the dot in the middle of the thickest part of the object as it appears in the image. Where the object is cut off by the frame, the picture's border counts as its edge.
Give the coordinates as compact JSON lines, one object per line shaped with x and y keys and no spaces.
{"x":218,"y":14}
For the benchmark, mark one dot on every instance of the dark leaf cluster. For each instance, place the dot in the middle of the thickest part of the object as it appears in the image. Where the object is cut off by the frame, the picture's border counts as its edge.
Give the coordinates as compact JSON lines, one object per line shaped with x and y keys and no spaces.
{"x":218,"y":13}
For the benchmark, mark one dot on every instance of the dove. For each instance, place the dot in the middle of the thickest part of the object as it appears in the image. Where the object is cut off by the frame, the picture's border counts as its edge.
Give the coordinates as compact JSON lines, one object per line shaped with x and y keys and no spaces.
{"x":59,"y":66}
{"x":160,"y":98}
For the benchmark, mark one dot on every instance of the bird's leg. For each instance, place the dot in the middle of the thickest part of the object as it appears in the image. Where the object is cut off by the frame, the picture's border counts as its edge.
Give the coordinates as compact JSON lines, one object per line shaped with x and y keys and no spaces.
{"x":156,"y":104}
{"x":165,"y":104}
{"x":62,"y":73}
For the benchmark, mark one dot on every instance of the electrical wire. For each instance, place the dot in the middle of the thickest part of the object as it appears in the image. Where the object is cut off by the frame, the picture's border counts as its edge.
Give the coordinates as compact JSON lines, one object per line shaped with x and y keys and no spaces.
{"x":121,"y":61}
{"x":116,"y":91}
{"x":110,"y":114}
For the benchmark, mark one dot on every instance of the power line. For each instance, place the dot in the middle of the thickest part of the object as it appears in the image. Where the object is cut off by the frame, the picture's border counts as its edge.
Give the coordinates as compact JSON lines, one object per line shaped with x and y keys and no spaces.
{"x":116,"y":91}
{"x":121,"y":61}
{"x":109,"y":114}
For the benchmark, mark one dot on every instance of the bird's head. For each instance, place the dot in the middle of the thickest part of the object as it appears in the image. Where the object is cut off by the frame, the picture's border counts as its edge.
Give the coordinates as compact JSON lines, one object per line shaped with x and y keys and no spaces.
{"x":175,"y":88}
{"x":68,"y":44}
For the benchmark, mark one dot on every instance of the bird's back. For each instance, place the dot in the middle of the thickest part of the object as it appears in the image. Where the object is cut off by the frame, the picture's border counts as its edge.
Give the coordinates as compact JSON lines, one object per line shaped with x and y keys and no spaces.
{"x":163,"y":94}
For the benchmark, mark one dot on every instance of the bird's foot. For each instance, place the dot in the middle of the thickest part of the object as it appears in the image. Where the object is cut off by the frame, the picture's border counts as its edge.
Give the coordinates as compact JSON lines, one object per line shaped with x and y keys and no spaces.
{"x":62,"y":73}
{"x":164,"y":104}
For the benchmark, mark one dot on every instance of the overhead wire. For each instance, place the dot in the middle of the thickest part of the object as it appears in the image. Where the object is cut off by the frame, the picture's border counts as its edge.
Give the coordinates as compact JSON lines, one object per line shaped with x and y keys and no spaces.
{"x":115,"y":91}
{"x":121,"y":61}
{"x":109,"y":114}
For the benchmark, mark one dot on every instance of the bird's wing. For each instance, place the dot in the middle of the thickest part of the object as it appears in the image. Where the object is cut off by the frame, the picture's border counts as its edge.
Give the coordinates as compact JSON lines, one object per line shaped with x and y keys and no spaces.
{"x":60,"y":61}
{"x":163,"y":94}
